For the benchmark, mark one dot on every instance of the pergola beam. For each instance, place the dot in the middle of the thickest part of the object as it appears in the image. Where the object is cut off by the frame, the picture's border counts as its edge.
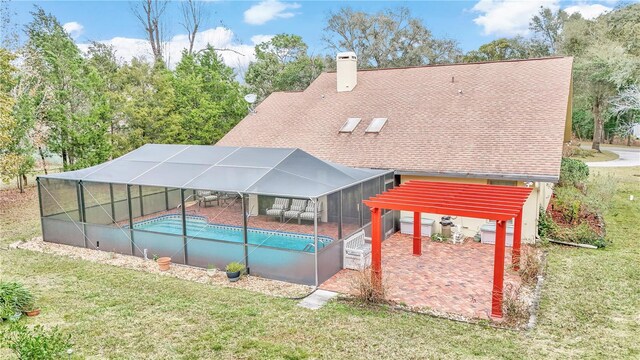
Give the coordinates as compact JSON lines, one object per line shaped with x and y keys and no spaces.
{"x":481,"y":214}
{"x":512,"y":208}
{"x":464,"y":186}
{"x":444,"y":195}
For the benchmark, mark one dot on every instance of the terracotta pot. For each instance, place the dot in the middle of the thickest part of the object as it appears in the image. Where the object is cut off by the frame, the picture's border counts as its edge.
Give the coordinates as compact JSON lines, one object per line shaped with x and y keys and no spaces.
{"x":164,"y":263}
{"x":34,"y":312}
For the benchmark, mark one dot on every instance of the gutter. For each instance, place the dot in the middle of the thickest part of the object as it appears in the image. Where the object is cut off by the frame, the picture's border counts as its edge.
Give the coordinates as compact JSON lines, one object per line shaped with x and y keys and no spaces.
{"x":490,"y":176}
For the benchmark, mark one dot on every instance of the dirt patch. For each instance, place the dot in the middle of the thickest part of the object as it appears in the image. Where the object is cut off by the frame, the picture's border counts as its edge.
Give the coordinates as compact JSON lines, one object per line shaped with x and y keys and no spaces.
{"x":592,"y":219}
{"x":218,"y":278}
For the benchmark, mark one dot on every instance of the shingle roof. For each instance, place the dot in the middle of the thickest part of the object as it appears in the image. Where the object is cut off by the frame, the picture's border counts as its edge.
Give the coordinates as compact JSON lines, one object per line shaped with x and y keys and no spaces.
{"x":496,"y":120}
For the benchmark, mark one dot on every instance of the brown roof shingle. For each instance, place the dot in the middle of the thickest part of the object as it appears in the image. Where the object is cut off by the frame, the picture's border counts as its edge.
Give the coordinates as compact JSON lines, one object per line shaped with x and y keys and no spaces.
{"x":507,"y":122}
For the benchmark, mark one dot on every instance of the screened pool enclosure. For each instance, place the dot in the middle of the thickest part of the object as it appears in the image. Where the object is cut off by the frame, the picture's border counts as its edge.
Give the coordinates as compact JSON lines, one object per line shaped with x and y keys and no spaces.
{"x":281,"y":212}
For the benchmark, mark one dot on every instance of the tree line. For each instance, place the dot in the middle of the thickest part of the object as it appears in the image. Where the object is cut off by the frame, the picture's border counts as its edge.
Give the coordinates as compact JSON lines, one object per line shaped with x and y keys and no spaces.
{"x":89,"y":107}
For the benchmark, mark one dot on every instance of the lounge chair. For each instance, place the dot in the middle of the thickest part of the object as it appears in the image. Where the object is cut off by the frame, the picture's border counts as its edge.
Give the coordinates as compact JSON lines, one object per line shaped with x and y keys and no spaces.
{"x":307,"y":214}
{"x":297,"y":207}
{"x":207,"y":198}
{"x":357,"y":252}
{"x":280,"y":205}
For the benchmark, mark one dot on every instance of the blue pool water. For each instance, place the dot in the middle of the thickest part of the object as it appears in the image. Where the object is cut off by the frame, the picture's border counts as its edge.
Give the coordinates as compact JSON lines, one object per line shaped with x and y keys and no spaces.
{"x":199,"y":227}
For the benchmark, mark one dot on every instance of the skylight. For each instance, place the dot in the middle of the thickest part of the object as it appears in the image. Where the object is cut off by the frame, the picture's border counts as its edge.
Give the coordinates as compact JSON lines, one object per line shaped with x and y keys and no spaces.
{"x":376,"y":125}
{"x":350,"y":125}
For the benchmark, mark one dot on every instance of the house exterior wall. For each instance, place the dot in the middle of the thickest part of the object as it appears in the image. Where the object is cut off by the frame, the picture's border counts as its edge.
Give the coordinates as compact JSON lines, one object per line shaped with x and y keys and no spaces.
{"x":540,"y":197}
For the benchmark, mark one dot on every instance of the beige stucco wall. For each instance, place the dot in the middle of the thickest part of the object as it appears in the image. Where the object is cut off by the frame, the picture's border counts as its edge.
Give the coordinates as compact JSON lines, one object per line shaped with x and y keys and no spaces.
{"x":540,"y":196}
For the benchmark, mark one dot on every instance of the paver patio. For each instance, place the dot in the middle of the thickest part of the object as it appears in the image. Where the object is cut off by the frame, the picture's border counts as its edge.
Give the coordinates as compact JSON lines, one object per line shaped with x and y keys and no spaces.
{"x":455,"y":279}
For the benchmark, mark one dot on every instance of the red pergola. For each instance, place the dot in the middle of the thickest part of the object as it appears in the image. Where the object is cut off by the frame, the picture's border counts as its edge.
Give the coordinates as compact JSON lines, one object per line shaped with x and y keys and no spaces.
{"x":493,"y":202}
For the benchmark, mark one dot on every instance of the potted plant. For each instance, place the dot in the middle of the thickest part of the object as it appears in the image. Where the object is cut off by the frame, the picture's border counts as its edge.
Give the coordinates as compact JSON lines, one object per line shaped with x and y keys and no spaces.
{"x":234,"y":269}
{"x":164,"y":263}
{"x":211,"y":270}
{"x":33,"y":311}
{"x":15,"y":300}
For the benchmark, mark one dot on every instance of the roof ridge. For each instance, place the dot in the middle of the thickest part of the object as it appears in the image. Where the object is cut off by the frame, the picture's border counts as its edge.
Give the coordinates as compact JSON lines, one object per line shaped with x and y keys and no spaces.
{"x":462,"y":64}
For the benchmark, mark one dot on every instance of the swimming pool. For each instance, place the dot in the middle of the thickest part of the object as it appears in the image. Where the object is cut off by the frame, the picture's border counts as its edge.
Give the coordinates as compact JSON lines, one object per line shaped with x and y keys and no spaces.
{"x":197,"y":226}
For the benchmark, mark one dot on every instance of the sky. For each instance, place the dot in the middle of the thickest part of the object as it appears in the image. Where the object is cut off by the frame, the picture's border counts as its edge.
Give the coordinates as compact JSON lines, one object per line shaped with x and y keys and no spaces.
{"x":239,"y":25}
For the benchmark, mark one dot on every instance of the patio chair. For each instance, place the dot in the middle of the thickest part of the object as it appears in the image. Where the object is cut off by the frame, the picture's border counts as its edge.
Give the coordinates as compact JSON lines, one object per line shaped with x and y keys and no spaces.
{"x":307,"y":214}
{"x":297,"y":207}
{"x":207,"y":198}
{"x":357,"y":252}
{"x":280,"y":205}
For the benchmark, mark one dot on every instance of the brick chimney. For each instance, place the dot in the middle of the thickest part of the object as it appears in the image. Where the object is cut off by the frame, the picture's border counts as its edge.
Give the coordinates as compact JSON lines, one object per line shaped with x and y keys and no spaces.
{"x":347,"y":71}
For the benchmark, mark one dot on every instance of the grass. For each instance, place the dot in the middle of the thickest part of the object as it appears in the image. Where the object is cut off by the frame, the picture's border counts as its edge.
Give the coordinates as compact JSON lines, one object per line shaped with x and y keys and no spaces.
{"x":594,"y":156}
{"x":590,"y":307}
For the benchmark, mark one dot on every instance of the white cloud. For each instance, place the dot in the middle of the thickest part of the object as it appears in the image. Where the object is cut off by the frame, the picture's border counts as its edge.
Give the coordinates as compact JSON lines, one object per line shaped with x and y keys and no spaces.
{"x":508,"y":17}
{"x":588,"y":11}
{"x":259,"y":39}
{"x":73,"y":28}
{"x":268,"y":10}
{"x":237,"y":56}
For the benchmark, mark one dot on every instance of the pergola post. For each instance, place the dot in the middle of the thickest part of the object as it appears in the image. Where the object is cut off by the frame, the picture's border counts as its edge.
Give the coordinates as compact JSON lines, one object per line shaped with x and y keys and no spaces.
{"x":417,"y":233}
{"x":376,"y":248}
{"x":498,"y":269}
{"x":517,"y":240}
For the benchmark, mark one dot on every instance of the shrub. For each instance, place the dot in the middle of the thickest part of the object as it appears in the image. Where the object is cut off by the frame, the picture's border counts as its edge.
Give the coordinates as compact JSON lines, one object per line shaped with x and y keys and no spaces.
{"x":573,"y":172}
{"x":530,"y":264}
{"x":571,"y":150}
{"x":234,"y":267}
{"x":366,"y":291}
{"x":546,"y":226}
{"x":14,"y":299}
{"x":569,"y":202}
{"x":36,"y":343}
{"x":514,"y":308}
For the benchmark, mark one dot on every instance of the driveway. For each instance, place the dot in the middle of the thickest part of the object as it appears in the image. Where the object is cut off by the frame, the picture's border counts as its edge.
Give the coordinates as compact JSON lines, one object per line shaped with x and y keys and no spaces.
{"x":628,"y":156}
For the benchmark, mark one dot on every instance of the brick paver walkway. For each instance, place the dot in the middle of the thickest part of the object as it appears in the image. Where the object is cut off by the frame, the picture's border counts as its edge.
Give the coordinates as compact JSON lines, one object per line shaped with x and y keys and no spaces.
{"x":455,"y":279}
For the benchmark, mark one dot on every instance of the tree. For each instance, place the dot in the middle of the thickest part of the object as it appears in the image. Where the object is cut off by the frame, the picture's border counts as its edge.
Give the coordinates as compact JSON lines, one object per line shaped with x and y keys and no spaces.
{"x":626,"y":107}
{"x":499,"y":49}
{"x":600,"y":72}
{"x":389,"y":38}
{"x":547,"y":26}
{"x":282,"y":64}
{"x":605,"y":62}
{"x":149,"y":13}
{"x":209,"y":101}
{"x":192,"y":15}
{"x":64,"y":90}
{"x":15,"y":153}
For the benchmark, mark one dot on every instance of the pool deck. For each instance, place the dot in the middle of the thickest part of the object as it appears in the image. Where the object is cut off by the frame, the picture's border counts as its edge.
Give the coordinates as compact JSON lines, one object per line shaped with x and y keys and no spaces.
{"x":447,"y":278}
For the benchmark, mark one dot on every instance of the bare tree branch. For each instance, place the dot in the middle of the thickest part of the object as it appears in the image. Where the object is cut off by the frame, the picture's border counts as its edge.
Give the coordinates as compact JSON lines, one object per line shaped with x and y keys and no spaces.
{"x":149,"y":14}
{"x":192,"y":14}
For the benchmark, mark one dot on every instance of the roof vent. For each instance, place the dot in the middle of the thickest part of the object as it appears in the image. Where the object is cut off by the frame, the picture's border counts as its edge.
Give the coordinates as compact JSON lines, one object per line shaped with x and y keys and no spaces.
{"x":347,"y":71}
{"x":350,"y":125}
{"x":376,"y":125}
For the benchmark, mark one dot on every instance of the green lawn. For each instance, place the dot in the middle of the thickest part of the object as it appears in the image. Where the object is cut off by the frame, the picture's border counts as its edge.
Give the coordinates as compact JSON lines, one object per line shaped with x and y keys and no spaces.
{"x":590,"y":307}
{"x":595,"y":156}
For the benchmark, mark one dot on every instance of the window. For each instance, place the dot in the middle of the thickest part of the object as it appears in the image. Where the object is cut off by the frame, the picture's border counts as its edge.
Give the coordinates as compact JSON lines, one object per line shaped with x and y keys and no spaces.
{"x":350,"y":125}
{"x":503,"y":182}
{"x":376,"y":125}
